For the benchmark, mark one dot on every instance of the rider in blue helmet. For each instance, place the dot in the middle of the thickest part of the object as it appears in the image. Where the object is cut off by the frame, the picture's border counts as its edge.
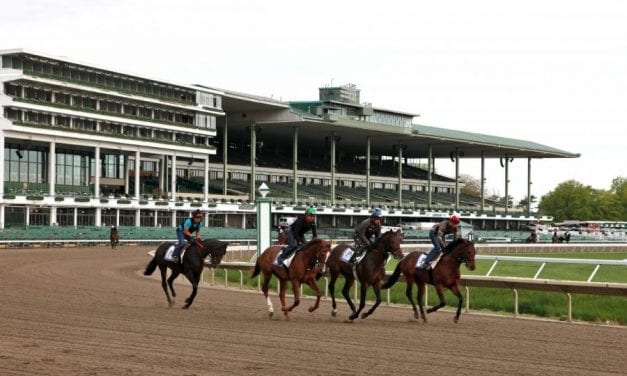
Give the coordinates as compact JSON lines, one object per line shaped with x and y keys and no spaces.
{"x":367,"y":233}
{"x":296,"y":233}
{"x":185,"y":233}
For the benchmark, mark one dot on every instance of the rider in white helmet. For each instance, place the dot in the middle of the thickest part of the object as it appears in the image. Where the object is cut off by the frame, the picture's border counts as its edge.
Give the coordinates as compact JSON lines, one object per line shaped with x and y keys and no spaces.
{"x":437,"y":233}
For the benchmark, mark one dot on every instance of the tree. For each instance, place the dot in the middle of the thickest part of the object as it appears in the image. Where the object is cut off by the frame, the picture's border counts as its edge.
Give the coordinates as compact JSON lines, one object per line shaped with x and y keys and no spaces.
{"x":472,"y":185}
{"x":569,"y":200}
{"x":573,"y":200}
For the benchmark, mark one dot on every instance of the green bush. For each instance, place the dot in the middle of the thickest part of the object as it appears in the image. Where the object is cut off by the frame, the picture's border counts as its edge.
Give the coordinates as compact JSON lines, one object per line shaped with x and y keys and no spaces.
{"x":123,"y":201}
{"x":196,"y":204}
{"x":143,"y":202}
{"x":161,"y":203}
{"x":104,"y":200}
{"x":9,"y":197}
{"x":59,"y":198}
{"x":179,"y":204}
{"x":81,"y":199}
{"x":35,"y":197}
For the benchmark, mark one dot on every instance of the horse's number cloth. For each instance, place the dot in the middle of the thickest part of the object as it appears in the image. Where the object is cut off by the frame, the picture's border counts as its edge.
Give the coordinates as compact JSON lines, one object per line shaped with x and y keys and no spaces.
{"x":347,"y":254}
{"x":422,"y":258}
{"x":168,"y":254}
{"x":287,"y":261}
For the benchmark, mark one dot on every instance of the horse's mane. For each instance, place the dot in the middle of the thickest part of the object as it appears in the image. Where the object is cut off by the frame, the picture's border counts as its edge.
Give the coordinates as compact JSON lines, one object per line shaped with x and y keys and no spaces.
{"x":214,"y":244}
{"x":452,"y":245}
{"x":388,"y":233}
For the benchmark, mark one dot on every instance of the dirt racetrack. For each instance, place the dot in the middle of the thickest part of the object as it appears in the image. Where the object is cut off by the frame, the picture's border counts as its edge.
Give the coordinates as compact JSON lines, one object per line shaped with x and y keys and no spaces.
{"x":89,"y":311}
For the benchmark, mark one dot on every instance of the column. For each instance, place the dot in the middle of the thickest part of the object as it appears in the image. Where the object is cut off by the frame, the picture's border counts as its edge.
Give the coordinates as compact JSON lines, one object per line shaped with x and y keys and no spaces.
{"x":173,"y":179}
{"x":97,"y":172}
{"x":117,"y":217}
{"x":138,"y":218}
{"x":162,"y":169}
{"x":126,"y":177}
{"x":174,"y":224}
{"x":2,"y":175}
{"x":332,"y":168}
{"x":75,"y":217}
{"x":456,"y":180}
{"x":528,"y":186}
{"x":253,"y":152}
{"x":429,"y":169}
{"x":244,"y":220}
{"x":52,"y":168}
{"x":27,"y":216}
{"x":400,"y":174}
{"x":482,"y":182}
{"x":98,"y":217}
{"x":53,"y":215}
{"x":295,"y":165}
{"x":368,"y":170}
{"x":205,"y":188}
{"x":156,"y":222}
{"x":138,"y":164}
{"x":225,"y":154}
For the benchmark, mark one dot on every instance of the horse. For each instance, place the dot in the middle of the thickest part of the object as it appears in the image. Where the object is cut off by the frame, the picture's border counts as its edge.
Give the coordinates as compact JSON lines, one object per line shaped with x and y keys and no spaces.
{"x":114,"y":238}
{"x":369,"y":271}
{"x":193,"y":262}
{"x":445,"y":275}
{"x":304,"y":268}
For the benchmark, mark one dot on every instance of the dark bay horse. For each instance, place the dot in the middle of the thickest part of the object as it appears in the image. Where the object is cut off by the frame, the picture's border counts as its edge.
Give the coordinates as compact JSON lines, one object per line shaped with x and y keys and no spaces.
{"x":114,"y":238}
{"x":191,"y":267}
{"x":369,"y":271}
{"x":304,"y":268}
{"x":445,"y":275}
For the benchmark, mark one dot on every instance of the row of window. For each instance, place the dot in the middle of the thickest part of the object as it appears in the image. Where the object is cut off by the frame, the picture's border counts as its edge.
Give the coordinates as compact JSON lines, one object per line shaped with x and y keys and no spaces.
{"x":89,"y":76}
{"x":104,"y":127}
{"x":108,"y":106}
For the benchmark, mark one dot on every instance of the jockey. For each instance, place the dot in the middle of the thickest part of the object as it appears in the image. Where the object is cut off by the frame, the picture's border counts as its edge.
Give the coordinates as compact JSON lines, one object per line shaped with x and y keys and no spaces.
{"x":185,"y":233}
{"x":437,"y":233}
{"x":366,"y":234}
{"x":296,"y":233}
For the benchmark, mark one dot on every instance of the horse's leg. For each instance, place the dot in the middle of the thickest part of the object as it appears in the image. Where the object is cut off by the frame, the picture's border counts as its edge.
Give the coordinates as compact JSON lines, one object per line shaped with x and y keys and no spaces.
{"x":347,"y":289}
{"x":408,"y":288}
{"x":362,"y":301}
{"x":193,"y":278}
{"x":422,"y":287}
{"x":282,"y":290}
{"x":264,"y":288}
{"x":440,"y":290}
{"x":460,"y":300}
{"x":296,"y":288}
{"x":332,"y":292}
{"x":164,"y":284}
{"x":377,"y":293}
{"x":312,"y":283}
{"x":171,"y":282}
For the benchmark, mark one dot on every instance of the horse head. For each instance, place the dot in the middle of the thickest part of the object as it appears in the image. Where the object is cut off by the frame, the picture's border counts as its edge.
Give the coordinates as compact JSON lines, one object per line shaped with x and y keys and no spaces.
{"x":216,"y":250}
{"x":463,"y":251}
{"x":318,"y":252}
{"x":390,"y":242}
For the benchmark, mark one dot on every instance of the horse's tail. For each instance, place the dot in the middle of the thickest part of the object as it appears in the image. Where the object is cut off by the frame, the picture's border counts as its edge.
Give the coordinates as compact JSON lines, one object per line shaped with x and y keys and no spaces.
{"x":393,"y":278}
{"x":152,"y":265}
{"x":257,"y":270}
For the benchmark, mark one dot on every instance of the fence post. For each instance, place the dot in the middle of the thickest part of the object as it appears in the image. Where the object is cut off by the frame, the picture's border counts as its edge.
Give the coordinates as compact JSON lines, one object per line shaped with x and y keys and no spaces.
{"x":515,"y":302}
{"x":570,"y":307}
{"x":226,"y":278}
{"x":241,"y":279}
{"x":467,"y":299}
{"x":213,"y":277}
{"x":326,"y":288}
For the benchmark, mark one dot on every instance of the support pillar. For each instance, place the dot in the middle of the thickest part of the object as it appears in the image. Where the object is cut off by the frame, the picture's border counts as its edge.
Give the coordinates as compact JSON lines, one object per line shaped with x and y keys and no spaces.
{"x":429,"y":170}
{"x":137,"y":171}
{"x":482,"y":182}
{"x":400,"y":175}
{"x":173,"y":178}
{"x":529,"y":186}
{"x":295,"y":165}
{"x":333,"y":139}
{"x":368,"y":171}
{"x":253,"y":157}
{"x":52,"y":171}
{"x":97,"y":172}
{"x":205,"y":188}
{"x":225,"y":154}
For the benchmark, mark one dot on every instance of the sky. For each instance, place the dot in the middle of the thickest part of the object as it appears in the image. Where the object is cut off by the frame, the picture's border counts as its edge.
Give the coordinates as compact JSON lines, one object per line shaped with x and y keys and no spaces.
{"x":549,"y":71}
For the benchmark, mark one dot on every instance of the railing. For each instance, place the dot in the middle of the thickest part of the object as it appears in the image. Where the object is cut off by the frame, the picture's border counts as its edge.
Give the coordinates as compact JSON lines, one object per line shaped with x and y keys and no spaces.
{"x":565,"y":287}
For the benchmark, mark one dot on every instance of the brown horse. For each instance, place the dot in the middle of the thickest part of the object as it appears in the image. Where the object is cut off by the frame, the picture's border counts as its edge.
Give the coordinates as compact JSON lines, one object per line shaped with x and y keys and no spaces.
{"x":303,"y":269}
{"x":369,"y":271}
{"x":445,"y":275}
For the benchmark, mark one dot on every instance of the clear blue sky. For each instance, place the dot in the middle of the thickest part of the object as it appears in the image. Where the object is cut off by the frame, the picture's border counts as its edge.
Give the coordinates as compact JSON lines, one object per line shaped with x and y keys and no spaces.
{"x":551,"y":71}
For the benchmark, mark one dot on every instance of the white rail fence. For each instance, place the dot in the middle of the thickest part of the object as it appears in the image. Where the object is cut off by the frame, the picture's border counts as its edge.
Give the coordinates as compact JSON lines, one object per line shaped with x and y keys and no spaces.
{"x":512,"y":283}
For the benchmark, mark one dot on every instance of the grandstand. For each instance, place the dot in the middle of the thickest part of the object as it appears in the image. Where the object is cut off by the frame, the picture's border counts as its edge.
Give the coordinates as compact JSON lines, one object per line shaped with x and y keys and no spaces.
{"x":91,"y":146}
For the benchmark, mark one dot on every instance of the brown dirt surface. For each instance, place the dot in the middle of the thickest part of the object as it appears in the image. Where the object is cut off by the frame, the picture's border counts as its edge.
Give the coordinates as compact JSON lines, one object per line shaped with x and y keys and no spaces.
{"x":90,"y":311}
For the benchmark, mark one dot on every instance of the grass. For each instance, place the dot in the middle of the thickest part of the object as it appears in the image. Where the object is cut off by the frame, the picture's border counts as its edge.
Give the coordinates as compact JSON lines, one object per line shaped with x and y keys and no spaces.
{"x":592,"y":308}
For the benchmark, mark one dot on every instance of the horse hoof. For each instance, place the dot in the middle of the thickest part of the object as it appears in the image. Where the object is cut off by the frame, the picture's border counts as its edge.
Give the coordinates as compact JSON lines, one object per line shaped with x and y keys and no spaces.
{"x":171,"y":303}
{"x":424,"y":321}
{"x":456,"y":320}
{"x":270,"y":314}
{"x":348,"y":321}
{"x":364,"y":315}
{"x":333,"y":313}
{"x":186,"y":306}
{"x":416,"y":315}
{"x":311,"y":309}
